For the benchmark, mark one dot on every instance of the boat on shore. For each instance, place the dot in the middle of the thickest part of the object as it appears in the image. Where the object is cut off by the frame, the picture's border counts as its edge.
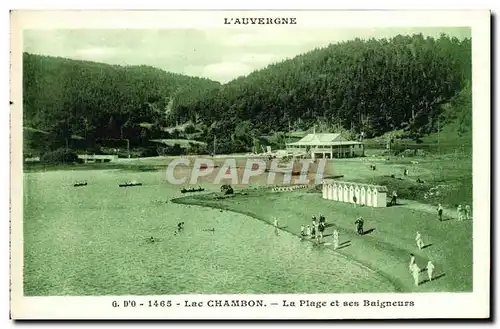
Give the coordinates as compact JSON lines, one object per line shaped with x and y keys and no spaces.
{"x":189,"y":190}
{"x":130,"y":184}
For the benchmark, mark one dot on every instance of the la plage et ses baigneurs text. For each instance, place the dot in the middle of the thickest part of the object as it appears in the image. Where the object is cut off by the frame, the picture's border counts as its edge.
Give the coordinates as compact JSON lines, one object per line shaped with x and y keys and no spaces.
{"x":261,"y":303}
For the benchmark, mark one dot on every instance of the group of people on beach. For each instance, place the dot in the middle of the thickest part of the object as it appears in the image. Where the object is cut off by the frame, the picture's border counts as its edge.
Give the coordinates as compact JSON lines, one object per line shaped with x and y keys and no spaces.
{"x":317,"y":227}
{"x":180,"y":228}
{"x":415,"y":270}
{"x":315,"y":230}
{"x":463,"y":213}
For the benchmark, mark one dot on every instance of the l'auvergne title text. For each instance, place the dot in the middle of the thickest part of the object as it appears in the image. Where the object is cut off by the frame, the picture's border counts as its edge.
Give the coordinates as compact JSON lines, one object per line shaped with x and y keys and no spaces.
{"x":260,"y":21}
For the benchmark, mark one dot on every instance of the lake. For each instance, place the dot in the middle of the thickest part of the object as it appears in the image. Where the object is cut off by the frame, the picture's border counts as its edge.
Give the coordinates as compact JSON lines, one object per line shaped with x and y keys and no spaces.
{"x":93,"y":240}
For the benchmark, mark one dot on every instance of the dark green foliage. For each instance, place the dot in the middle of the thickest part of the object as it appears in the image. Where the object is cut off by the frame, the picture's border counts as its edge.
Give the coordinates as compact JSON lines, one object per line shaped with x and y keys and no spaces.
{"x":175,"y":150}
{"x":99,"y":101}
{"x":60,"y":156}
{"x":197,"y":149}
{"x":190,"y":129}
{"x":413,"y":84}
{"x":371,"y":86}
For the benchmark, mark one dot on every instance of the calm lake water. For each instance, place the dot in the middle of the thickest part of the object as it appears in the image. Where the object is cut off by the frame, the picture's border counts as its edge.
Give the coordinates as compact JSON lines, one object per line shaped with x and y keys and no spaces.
{"x":93,"y":241}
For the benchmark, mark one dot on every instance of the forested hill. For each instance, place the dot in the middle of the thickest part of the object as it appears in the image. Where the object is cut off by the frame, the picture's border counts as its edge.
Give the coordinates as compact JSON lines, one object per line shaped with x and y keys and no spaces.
{"x":361,"y":86}
{"x":371,"y":86}
{"x":66,"y":96}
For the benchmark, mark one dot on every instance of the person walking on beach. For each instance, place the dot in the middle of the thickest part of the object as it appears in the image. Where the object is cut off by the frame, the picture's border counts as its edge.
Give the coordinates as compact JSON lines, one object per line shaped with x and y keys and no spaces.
{"x":359,"y":225}
{"x":314,"y":226}
{"x":430,"y":269}
{"x":302,"y":232}
{"x":321,"y":229}
{"x":276,"y":225}
{"x":460,"y":213}
{"x":335,"y":239}
{"x":419,"y":240}
{"x":415,"y":272}
{"x":394,"y":198}
{"x":308,"y":231}
{"x":440,"y":212}
{"x":313,"y":231}
{"x":468,"y":213}
{"x":412,"y":262}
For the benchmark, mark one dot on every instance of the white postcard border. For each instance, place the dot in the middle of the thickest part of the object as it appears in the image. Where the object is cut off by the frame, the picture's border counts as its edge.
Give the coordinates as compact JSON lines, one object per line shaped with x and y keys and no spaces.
{"x":428,"y":305}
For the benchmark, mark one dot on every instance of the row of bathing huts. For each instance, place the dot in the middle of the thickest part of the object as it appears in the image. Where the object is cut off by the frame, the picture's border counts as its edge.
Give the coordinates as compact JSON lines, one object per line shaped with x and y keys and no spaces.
{"x":362,"y":194}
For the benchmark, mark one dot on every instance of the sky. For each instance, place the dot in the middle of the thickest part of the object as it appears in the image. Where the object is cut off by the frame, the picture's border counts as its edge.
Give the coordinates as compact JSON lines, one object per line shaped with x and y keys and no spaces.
{"x":216,"y":54}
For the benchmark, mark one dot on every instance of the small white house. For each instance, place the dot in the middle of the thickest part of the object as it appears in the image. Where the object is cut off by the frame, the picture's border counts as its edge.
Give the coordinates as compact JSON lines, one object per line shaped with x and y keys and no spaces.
{"x":340,"y":192}
{"x":351,"y":193}
{"x":333,"y":191}
{"x":369,"y":193}
{"x":379,"y":196}
{"x":346,"y":193}
{"x":357,"y":194}
{"x":362,"y":199}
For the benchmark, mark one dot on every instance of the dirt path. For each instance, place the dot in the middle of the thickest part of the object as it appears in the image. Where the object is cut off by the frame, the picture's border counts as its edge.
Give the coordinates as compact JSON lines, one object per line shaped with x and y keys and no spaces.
{"x":410,"y":204}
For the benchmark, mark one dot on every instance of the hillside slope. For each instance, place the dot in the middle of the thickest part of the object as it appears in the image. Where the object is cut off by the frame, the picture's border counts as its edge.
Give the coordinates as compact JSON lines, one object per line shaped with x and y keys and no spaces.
{"x":455,"y":122}
{"x":371,"y":86}
{"x":96,"y":100}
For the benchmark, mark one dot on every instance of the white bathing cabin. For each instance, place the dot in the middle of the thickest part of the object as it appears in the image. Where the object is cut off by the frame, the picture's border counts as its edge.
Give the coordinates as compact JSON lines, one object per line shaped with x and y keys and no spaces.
{"x":366,"y":194}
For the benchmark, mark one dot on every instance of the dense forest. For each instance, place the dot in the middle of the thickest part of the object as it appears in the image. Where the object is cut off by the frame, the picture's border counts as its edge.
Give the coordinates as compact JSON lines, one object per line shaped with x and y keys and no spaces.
{"x":98,"y":102}
{"x":365,"y":87}
{"x":372,"y":86}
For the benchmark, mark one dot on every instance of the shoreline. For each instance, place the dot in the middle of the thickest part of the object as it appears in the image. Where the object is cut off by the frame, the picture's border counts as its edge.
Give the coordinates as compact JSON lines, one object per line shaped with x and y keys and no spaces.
{"x":379,"y":255}
{"x":399,"y":286}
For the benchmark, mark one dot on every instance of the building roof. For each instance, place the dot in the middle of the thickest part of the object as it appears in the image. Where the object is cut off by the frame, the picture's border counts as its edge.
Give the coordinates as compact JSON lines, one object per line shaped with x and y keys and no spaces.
{"x":323,"y":139}
{"x":379,"y":188}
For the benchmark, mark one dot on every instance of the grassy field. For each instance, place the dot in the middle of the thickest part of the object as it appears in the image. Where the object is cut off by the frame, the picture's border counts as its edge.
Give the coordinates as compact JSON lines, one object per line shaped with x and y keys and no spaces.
{"x":445,"y":179}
